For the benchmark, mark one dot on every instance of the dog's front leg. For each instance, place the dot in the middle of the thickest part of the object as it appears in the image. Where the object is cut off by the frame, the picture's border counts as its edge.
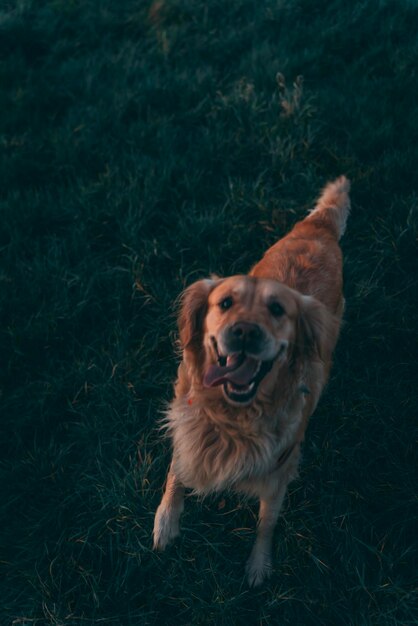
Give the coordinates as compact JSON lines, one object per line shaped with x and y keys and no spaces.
{"x":259,"y":565}
{"x":167,"y":516}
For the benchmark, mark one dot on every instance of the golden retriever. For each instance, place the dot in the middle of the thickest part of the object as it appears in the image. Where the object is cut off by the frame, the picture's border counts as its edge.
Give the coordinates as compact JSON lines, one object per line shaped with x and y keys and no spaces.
{"x":256,"y":355}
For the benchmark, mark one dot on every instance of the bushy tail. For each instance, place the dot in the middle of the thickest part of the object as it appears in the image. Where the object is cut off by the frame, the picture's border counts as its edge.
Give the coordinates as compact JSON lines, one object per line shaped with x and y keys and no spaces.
{"x":333,"y":206}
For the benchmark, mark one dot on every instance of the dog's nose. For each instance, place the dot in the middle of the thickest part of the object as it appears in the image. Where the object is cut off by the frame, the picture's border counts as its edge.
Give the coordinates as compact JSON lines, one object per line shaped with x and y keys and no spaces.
{"x":246,"y":332}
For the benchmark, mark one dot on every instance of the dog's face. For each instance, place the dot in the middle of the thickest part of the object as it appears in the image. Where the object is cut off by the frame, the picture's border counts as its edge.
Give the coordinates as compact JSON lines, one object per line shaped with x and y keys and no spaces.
{"x":237,"y":330}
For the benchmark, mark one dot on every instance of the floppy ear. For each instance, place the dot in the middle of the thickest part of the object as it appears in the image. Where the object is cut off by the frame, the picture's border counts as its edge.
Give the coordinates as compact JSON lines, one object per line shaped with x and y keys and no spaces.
{"x":193,"y":307}
{"x":318,"y":328}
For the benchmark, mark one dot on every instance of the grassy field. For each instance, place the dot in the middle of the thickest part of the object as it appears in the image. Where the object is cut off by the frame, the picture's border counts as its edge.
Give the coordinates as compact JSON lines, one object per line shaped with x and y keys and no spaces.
{"x":145,"y":145}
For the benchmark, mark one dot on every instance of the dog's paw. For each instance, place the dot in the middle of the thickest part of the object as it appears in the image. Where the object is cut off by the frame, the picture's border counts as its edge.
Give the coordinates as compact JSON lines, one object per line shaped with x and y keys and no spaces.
{"x":258,"y":568}
{"x":166,"y":528}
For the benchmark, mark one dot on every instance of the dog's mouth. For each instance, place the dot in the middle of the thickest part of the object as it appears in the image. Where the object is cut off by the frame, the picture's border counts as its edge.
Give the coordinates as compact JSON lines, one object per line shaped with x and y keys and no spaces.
{"x":240,"y":375}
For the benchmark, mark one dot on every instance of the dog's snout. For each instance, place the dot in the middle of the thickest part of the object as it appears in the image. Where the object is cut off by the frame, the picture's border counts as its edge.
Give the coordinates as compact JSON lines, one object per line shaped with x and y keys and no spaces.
{"x":246,"y":330}
{"x":244,"y":336}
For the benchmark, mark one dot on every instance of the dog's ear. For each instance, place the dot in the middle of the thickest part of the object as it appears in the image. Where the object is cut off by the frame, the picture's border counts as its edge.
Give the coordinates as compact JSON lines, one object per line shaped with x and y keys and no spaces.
{"x":318,"y":328}
{"x":193,"y":307}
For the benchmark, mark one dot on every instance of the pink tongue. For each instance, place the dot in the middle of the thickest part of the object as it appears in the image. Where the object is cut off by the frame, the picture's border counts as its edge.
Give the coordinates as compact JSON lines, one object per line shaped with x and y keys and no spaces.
{"x":239,"y":370}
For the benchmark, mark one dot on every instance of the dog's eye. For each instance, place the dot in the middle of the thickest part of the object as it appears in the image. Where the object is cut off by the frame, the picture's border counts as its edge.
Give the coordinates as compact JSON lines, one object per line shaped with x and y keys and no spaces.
{"x":226,"y":303}
{"x":276,"y":309}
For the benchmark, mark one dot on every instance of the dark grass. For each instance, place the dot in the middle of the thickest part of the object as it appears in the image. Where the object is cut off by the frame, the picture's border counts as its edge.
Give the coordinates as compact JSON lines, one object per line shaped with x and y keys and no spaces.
{"x":145,"y":146}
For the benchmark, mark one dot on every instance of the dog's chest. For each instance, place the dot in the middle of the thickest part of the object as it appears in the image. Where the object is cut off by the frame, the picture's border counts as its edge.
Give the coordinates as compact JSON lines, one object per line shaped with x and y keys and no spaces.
{"x":210,"y":456}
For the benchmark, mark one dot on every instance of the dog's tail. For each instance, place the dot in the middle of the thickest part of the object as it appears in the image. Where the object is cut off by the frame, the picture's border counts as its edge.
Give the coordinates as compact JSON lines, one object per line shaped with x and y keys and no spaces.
{"x":333,"y":206}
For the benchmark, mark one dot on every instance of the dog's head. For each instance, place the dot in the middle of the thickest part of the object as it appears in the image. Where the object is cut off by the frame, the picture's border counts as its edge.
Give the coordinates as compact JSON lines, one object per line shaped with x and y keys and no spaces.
{"x":236,"y":331}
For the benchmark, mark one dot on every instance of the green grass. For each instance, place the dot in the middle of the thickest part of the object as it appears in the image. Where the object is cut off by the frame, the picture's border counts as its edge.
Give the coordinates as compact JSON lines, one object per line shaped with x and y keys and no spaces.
{"x":143,"y":147}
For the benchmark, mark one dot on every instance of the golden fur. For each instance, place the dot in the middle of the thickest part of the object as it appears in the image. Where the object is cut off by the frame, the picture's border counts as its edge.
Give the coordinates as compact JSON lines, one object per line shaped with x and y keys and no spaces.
{"x":222,"y":440}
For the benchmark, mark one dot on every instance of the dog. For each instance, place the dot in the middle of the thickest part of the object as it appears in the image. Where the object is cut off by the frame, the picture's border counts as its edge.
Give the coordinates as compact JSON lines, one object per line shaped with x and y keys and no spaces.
{"x":256,"y":354}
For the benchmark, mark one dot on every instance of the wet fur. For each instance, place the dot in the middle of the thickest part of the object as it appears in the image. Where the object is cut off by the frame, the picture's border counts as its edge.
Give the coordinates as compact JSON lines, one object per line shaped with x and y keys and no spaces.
{"x":219,"y":446}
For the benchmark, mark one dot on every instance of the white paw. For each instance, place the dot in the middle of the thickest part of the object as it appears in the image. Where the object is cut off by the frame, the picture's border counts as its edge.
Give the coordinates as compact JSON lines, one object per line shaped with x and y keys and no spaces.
{"x":166,"y":528}
{"x":259,"y":568}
